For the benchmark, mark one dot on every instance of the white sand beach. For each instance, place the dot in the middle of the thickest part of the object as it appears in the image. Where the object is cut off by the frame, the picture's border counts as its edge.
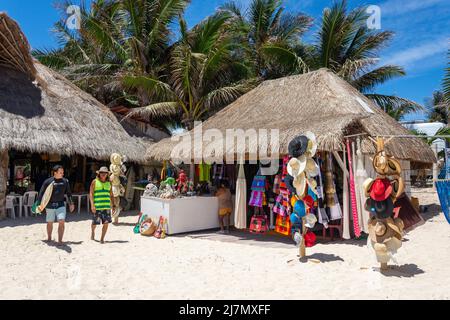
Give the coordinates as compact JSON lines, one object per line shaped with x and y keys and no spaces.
{"x":209,"y":266}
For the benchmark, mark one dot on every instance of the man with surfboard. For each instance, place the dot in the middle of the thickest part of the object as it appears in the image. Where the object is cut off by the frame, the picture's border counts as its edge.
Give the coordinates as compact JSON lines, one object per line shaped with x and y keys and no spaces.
{"x":51,"y":198}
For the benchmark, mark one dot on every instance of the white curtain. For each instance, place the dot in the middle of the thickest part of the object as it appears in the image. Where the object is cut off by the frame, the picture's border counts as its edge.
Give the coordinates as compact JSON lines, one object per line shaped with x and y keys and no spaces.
{"x":240,"y":209}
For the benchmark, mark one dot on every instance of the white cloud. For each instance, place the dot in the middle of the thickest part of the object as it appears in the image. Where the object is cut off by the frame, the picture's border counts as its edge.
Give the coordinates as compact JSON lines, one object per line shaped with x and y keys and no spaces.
{"x":399,"y":7}
{"x":412,"y":56}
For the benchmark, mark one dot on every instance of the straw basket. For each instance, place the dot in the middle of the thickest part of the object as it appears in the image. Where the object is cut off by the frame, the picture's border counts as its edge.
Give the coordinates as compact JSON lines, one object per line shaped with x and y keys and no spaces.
{"x":148,"y":227}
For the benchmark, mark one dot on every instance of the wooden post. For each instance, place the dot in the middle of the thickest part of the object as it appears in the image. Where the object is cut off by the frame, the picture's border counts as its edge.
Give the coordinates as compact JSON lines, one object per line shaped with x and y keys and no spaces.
{"x":4,"y":163}
{"x":302,"y":244}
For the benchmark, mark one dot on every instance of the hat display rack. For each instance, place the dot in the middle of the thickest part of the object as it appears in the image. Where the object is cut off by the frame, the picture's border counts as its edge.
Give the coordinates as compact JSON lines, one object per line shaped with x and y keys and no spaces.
{"x":302,"y":169}
{"x":385,"y":227}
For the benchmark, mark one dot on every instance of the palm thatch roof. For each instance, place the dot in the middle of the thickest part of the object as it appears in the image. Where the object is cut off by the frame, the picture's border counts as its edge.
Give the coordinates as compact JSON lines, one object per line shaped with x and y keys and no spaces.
{"x":319,"y":102}
{"x":52,"y":115}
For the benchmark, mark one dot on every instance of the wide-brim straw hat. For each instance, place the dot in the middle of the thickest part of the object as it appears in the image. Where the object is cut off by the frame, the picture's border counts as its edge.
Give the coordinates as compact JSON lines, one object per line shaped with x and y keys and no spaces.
{"x":103,"y":170}
{"x":312,"y":144}
{"x":296,"y":166}
{"x":300,"y":185}
{"x":310,"y":220}
{"x":367,"y":185}
{"x":393,"y":167}
{"x":312,"y":168}
{"x":398,"y":187}
{"x":116,"y":159}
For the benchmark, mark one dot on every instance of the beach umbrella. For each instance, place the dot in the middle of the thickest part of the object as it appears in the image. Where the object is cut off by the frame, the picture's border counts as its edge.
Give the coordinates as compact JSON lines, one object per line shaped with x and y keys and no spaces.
{"x":240,"y":210}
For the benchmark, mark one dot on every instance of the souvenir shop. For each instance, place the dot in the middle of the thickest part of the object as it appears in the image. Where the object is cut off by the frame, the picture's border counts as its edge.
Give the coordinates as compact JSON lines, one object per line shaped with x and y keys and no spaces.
{"x":304,"y":199}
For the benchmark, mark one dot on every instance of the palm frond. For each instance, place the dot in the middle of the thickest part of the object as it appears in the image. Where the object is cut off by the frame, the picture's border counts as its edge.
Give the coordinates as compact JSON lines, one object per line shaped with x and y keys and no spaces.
{"x":380,"y":75}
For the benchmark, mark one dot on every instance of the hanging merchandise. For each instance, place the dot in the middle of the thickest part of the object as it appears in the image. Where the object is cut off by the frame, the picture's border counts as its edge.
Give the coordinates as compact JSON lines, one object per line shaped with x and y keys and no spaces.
{"x":259,"y":224}
{"x":204,"y":172}
{"x":322,"y":214}
{"x":283,"y":225}
{"x":385,"y":230}
{"x":240,"y":210}
{"x":258,"y":196}
{"x":360,"y":176}
{"x":356,"y":228}
{"x":331,"y":197}
{"x":282,"y":206}
{"x":163,"y":171}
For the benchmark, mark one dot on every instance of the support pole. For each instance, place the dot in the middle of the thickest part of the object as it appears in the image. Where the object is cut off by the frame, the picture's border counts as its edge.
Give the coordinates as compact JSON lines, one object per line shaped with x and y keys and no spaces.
{"x":4,"y":163}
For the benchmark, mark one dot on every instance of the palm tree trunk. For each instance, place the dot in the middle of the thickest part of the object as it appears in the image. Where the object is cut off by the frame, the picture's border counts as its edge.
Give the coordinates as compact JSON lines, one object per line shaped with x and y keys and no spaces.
{"x":4,"y":162}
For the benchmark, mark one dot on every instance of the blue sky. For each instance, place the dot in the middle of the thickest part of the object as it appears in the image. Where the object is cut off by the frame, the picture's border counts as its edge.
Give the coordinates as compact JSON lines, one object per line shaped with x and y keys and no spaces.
{"x":422,"y":35}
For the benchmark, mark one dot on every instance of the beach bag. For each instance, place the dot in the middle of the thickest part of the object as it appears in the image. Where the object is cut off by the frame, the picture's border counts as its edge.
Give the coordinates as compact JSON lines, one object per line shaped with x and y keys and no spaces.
{"x":283,"y":225}
{"x":259,"y":224}
{"x":159,"y":230}
{"x":137,"y":227}
{"x":148,"y":227}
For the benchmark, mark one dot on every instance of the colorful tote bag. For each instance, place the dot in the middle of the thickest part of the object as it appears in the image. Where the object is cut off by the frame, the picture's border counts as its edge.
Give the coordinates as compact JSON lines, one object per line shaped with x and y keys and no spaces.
{"x":283,"y":225}
{"x":259,"y":224}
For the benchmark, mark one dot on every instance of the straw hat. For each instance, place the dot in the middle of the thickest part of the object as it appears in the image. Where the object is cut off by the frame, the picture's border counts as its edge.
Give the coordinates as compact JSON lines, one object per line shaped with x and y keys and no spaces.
{"x":300,"y":184}
{"x":103,"y":170}
{"x":398,"y":187}
{"x":367,"y":185}
{"x":310,"y":221}
{"x":393,"y":167}
{"x":312,"y":168}
{"x":312,"y":144}
{"x":296,"y":166}
{"x":116,"y":159}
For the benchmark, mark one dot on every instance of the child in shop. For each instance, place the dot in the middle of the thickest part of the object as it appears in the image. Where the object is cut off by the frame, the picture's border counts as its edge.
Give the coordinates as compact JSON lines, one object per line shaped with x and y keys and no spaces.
{"x":225,"y":206}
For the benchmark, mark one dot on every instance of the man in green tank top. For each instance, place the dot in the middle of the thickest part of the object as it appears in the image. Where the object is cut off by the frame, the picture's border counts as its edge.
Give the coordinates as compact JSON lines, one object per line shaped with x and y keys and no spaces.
{"x":101,"y":204}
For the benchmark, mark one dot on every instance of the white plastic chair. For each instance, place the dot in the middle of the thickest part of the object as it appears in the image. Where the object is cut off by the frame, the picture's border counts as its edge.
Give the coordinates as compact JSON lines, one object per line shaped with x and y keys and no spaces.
{"x":10,"y":207}
{"x":29,"y":198}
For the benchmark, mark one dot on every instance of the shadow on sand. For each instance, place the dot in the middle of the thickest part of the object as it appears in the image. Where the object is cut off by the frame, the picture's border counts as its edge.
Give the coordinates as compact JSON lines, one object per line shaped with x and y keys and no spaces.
{"x":321,"y":258}
{"x":404,"y":271}
{"x":65,"y":246}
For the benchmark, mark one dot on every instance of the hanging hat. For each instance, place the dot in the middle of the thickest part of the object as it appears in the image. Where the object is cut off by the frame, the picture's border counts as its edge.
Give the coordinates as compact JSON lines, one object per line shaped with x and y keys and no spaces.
{"x":312,"y":183}
{"x":300,"y":185}
{"x":310,"y":221}
{"x":312,"y":144}
{"x":116,"y":159}
{"x":299,"y":209}
{"x":367,"y":185}
{"x":398,"y":187}
{"x":381,"y":189}
{"x":309,"y":201}
{"x":312,"y":168}
{"x":289,"y":181}
{"x":102,"y":170}
{"x":381,"y":209}
{"x":393,"y":167}
{"x":380,"y":162}
{"x":296,"y":166}
{"x":298,"y":146}
{"x":310,"y":239}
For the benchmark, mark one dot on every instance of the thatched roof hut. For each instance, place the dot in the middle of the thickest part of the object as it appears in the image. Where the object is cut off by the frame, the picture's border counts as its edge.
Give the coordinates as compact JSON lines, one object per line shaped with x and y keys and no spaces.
{"x":50,"y":114}
{"x":319,"y":102}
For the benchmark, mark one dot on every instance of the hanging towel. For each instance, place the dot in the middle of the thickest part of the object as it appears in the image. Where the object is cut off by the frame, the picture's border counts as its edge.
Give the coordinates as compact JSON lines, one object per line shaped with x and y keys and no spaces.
{"x":240,"y":213}
{"x":346,"y":216}
{"x":356,"y":228}
{"x":361,"y":176}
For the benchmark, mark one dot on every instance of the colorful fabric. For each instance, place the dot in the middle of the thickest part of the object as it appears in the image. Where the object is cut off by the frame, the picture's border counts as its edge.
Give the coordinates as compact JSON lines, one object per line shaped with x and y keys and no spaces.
{"x":276,"y":184}
{"x":259,"y":224}
{"x":283,"y":225}
{"x":443,"y":191}
{"x":259,"y":183}
{"x":256,"y":199}
{"x":356,"y":227}
{"x":102,"y":195}
{"x":204,"y":172}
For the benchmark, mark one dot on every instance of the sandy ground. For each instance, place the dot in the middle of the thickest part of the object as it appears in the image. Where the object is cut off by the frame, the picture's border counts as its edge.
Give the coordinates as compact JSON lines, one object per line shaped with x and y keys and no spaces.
{"x":207,"y":266}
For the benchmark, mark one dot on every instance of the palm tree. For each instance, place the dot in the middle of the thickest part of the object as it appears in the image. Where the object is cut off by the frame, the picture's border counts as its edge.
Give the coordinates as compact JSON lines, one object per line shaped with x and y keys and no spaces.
{"x":345,"y":45}
{"x":115,"y":38}
{"x":438,"y":108}
{"x":446,"y":83}
{"x":205,"y":73}
{"x":272,"y":36}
